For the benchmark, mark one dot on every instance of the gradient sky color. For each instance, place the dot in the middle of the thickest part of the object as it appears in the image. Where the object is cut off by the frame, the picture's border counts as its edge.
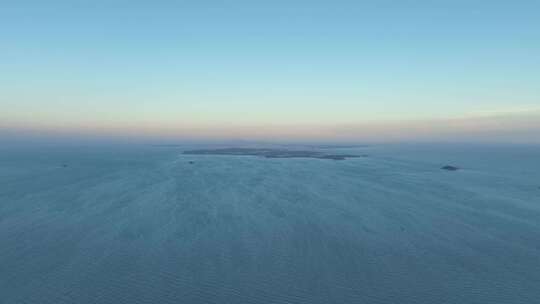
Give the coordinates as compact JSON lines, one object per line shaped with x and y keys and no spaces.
{"x":272,"y":69}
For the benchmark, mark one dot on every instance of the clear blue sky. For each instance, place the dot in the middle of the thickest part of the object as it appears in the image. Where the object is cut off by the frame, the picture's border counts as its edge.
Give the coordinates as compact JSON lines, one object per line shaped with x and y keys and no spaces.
{"x":273,"y":69}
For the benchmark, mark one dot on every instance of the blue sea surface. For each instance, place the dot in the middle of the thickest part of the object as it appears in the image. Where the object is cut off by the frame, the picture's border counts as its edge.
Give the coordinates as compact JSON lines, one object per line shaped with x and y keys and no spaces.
{"x":146,"y":224}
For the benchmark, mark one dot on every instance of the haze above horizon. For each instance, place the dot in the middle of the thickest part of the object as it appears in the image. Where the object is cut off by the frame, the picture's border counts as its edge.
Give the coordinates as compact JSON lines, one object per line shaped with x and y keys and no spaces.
{"x":312,"y":70}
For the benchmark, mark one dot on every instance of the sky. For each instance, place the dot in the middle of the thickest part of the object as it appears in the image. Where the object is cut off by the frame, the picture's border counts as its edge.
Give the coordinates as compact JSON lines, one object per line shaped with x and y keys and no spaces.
{"x":272,"y":70}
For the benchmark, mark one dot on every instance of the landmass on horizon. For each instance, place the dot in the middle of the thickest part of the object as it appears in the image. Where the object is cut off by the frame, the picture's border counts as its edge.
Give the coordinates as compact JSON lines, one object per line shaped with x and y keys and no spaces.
{"x":271,"y":153}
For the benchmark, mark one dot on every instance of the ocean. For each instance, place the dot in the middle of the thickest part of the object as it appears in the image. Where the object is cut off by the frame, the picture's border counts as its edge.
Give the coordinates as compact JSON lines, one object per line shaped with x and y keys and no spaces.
{"x":148,"y":224}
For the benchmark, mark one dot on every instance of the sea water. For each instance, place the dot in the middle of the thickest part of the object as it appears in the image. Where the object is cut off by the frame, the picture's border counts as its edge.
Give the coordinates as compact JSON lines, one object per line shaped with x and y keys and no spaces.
{"x":146,"y":224}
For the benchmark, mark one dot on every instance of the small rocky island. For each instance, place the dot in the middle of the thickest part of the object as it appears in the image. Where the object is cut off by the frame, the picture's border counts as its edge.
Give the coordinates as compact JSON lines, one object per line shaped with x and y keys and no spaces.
{"x":270,"y":153}
{"x":450,"y":168}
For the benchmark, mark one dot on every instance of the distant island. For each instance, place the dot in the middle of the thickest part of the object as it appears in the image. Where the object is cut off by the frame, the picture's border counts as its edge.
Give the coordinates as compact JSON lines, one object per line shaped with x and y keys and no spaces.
{"x":450,"y":168}
{"x":270,"y":153}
